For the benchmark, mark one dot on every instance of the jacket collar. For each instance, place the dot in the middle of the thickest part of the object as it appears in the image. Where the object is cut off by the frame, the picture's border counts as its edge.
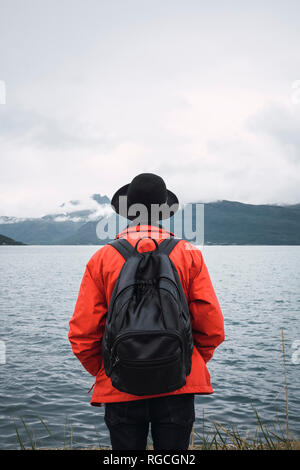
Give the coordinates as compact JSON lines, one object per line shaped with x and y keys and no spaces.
{"x":146,"y":231}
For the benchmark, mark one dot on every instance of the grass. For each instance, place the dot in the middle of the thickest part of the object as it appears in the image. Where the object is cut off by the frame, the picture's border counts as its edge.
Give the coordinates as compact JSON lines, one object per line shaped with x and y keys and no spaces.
{"x":219,"y":438}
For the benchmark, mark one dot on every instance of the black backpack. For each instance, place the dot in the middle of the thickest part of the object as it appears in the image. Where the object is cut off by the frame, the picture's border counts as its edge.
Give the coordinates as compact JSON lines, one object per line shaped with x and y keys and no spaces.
{"x":147,"y":343}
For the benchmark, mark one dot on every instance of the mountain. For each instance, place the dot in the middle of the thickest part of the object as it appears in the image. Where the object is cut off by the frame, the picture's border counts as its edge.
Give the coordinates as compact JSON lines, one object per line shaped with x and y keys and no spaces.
{"x":39,"y":231}
{"x":8,"y":241}
{"x":59,"y":227}
{"x":235,"y":223}
{"x":225,"y":223}
{"x":85,"y":235}
{"x":85,"y":210}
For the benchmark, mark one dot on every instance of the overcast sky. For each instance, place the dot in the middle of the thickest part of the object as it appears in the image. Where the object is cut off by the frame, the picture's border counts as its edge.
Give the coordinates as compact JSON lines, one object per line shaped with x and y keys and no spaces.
{"x":206,"y":94}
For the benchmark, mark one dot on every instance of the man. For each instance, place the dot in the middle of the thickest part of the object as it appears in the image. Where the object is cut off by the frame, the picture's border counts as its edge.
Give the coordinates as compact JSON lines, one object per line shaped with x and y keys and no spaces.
{"x":171,"y":414}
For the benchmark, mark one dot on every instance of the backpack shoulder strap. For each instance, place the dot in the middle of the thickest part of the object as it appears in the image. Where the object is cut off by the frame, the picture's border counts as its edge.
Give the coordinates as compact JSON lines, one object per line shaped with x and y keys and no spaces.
{"x":167,"y":245}
{"x":123,"y":247}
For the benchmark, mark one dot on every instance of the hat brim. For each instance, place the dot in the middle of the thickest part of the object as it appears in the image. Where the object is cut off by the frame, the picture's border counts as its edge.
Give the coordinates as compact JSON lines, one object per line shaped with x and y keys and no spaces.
{"x":172,"y":201}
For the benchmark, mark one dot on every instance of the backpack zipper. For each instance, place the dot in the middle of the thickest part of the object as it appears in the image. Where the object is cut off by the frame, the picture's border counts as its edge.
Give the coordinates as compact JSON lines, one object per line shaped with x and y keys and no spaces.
{"x":116,"y":359}
{"x":145,"y":332}
{"x":155,"y":362}
{"x":111,"y":308}
{"x":172,"y":282}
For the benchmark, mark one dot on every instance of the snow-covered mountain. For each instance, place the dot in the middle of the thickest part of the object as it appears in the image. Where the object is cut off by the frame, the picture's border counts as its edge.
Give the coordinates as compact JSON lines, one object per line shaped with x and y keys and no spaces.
{"x":89,"y":209}
{"x":72,"y":223}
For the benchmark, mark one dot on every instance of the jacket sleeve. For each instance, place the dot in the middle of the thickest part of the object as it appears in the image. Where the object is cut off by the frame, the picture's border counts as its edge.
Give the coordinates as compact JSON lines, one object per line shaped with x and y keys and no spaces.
{"x":88,"y":320}
{"x":206,"y":316}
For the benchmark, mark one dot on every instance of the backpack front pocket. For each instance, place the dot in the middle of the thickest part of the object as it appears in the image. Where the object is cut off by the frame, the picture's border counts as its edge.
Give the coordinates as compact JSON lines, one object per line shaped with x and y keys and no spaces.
{"x":149,"y":377}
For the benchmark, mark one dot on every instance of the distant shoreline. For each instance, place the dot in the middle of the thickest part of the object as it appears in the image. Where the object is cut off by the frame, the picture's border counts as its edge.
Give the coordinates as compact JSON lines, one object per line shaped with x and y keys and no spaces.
{"x":6,"y":241}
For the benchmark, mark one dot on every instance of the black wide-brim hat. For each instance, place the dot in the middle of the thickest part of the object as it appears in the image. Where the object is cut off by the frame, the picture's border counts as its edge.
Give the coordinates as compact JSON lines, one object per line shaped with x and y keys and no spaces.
{"x":146,"y":189}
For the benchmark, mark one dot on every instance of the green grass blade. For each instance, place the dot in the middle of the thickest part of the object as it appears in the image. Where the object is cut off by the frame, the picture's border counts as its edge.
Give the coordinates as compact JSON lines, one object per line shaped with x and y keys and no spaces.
{"x":18,"y":436}
{"x":28,"y":433}
{"x":47,"y":429}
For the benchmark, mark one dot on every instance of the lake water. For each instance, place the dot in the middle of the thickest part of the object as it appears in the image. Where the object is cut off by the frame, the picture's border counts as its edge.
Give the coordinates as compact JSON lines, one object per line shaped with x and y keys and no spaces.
{"x":259,"y":292}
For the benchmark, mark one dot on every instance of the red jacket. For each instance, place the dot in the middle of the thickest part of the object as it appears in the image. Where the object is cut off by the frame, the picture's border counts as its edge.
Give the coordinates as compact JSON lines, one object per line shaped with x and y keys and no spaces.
{"x":88,"y":321}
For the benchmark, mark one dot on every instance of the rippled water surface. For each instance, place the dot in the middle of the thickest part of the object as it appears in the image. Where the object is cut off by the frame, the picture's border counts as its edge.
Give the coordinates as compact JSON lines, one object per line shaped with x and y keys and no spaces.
{"x":259,"y":292}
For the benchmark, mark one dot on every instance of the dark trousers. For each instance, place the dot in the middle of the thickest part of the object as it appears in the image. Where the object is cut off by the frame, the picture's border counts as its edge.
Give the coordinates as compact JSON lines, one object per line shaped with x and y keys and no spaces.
{"x":171,"y":419}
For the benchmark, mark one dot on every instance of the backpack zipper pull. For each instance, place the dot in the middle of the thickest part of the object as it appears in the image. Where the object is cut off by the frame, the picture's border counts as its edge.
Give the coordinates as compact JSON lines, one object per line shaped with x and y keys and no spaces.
{"x":113,"y":365}
{"x":116,"y":361}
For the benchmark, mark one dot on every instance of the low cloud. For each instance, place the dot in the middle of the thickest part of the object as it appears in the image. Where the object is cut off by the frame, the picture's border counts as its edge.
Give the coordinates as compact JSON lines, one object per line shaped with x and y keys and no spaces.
{"x":89,"y":208}
{"x":28,"y":127}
